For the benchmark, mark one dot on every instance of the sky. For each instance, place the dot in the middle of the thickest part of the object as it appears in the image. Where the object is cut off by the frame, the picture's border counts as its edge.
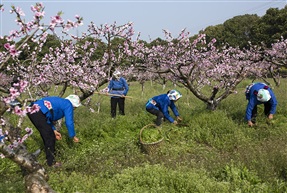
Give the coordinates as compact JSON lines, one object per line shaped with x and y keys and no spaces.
{"x":150,"y":17}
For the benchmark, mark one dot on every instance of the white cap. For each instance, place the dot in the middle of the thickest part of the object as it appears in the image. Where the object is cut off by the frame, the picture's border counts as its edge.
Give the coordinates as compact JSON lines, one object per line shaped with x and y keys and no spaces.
{"x":174,"y":95}
{"x":117,"y":74}
{"x":263,"y":95}
{"x":75,"y":100}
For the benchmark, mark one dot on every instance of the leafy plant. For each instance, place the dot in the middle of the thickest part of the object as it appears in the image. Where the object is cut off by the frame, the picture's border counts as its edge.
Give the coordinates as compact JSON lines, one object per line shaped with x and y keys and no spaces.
{"x":151,"y":134}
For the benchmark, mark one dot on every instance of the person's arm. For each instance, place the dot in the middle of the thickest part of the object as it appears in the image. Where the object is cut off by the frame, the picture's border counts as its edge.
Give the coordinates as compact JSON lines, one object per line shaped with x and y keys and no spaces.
{"x":164,"y":109}
{"x":273,"y":102}
{"x":126,"y":86}
{"x":175,"y":112}
{"x":174,"y":109}
{"x":69,"y":121}
{"x":110,"y":86}
{"x":248,"y":113}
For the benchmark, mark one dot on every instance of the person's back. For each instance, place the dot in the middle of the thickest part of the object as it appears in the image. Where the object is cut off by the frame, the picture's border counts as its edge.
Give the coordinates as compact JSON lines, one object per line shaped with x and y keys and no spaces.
{"x":161,"y":100}
{"x":61,"y":107}
{"x":256,"y":94}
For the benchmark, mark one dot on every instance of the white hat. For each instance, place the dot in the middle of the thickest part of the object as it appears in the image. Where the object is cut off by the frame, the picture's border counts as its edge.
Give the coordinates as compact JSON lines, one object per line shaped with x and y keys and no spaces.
{"x":263,"y":95}
{"x":117,"y":74}
{"x":174,"y":95}
{"x":75,"y":100}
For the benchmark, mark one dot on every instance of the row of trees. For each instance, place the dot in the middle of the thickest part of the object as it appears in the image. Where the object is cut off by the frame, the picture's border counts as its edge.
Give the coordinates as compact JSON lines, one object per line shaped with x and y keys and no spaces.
{"x":40,"y":60}
{"x":237,"y":31}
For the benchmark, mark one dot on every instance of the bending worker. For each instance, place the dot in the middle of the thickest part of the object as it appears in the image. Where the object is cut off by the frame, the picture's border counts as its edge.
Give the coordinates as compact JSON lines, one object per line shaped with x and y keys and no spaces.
{"x":158,"y":106}
{"x":256,"y":94}
{"x":53,"y":109}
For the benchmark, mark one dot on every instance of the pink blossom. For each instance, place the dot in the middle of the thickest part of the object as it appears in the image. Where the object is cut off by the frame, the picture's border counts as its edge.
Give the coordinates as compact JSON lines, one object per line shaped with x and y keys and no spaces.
{"x":14,"y":92}
{"x":11,"y":49}
{"x":20,"y":11}
{"x":18,"y":111}
{"x":35,"y":108}
{"x":23,"y":85}
{"x":14,"y":52}
{"x":57,"y":19}
{"x":44,"y":36}
{"x":33,"y":8}
{"x":14,"y":33}
{"x":2,"y":121}
{"x":29,"y":130}
{"x":37,"y":7}
{"x":40,"y":14}
{"x":68,"y":26}
{"x":7,"y":46}
{"x":7,"y":100}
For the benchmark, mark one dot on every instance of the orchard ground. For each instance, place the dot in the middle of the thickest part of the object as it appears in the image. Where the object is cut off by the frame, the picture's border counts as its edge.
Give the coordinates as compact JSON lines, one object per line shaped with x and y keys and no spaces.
{"x":211,"y":151}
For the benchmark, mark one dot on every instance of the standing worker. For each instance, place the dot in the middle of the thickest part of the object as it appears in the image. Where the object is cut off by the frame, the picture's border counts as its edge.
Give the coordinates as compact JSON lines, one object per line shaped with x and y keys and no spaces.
{"x":118,"y":86}
{"x":256,"y":94}
{"x":158,"y":106}
{"x":53,"y":109}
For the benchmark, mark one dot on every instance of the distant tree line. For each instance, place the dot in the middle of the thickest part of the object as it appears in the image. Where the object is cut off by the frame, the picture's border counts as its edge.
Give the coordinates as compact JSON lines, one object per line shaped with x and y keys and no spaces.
{"x":240,"y":30}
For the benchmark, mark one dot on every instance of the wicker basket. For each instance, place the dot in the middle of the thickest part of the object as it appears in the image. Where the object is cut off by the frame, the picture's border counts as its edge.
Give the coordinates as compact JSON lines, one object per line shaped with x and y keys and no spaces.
{"x":150,"y":148}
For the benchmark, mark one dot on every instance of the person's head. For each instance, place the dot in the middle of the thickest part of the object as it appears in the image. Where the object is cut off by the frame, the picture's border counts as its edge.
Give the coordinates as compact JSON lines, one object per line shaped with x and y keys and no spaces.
{"x":75,"y":100}
{"x":263,"y":95}
{"x":117,"y":74}
{"x":174,"y":95}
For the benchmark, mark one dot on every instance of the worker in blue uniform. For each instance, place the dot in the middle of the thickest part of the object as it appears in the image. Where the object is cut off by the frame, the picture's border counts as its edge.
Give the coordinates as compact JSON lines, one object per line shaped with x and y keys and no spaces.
{"x":158,"y":106}
{"x":257,"y":94}
{"x":52,"y":109}
{"x":118,"y":89}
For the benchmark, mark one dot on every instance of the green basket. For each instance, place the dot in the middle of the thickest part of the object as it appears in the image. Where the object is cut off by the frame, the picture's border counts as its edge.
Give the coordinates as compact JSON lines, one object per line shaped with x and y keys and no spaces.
{"x":150,"y":147}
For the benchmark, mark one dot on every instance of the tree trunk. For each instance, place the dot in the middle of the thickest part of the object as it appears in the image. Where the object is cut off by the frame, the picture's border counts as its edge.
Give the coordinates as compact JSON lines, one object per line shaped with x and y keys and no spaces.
{"x":34,"y":174}
{"x":212,"y":105}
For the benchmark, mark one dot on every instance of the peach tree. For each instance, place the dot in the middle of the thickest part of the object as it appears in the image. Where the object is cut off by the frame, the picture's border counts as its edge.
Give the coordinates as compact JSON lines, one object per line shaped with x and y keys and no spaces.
{"x":210,"y":73}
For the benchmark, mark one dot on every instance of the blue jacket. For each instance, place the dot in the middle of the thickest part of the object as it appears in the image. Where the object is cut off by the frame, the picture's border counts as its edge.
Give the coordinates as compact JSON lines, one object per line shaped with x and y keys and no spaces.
{"x":252,"y":100}
{"x":118,"y":87}
{"x":61,"y":108}
{"x":162,"y":104}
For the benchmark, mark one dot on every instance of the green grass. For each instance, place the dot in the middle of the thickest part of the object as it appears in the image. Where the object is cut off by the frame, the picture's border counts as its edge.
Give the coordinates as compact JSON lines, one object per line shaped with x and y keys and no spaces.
{"x":209,"y":152}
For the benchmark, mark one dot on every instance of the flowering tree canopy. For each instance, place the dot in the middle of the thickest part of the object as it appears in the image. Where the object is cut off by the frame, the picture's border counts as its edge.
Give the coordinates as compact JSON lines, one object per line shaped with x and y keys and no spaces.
{"x":210,"y":73}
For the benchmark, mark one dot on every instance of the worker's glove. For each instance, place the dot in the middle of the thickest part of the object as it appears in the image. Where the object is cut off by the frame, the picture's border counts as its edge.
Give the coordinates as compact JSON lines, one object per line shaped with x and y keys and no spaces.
{"x":178,"y":119}
{"x":58,"y":135}
{"x":175,"y":122}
